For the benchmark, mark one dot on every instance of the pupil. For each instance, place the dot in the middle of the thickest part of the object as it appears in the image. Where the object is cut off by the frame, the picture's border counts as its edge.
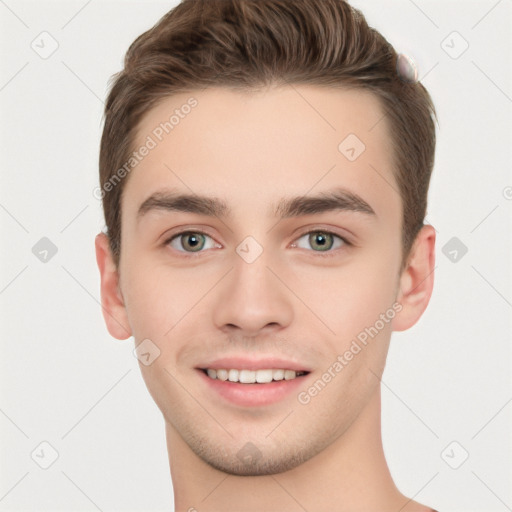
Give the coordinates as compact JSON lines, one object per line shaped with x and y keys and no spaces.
{"x":320,"y":240}
{"x":193,"y":241}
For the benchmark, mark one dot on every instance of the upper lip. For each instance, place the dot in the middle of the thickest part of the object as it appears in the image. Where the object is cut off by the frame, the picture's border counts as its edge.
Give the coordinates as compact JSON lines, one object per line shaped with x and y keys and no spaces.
{"x":245,"y":363}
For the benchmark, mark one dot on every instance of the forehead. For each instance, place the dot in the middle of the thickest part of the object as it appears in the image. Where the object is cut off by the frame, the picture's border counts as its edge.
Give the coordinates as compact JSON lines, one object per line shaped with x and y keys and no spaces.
{"x":252,"y":147}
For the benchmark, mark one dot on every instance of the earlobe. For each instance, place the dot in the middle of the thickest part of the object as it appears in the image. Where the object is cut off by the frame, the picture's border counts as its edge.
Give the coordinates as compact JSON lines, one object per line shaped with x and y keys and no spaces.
{"x":417,"y":280}
{"x":114,"y":311}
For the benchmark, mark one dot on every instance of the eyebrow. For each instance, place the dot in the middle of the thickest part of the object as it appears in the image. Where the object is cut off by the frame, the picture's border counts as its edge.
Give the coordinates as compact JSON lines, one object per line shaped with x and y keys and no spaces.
{"x":338,"y":199}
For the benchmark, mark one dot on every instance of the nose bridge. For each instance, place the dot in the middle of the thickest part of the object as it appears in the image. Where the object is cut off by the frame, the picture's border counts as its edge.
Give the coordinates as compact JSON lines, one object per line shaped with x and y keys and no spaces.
{"x":252,"y":297}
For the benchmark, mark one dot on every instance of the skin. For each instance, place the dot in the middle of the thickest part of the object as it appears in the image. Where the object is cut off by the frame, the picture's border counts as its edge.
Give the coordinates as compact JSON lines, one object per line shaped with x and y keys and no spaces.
{"x":250,"y":149}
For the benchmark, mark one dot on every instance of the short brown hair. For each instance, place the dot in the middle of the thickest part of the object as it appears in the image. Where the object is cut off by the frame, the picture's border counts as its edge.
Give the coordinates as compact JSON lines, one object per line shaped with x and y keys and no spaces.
{"x":251,"y":44}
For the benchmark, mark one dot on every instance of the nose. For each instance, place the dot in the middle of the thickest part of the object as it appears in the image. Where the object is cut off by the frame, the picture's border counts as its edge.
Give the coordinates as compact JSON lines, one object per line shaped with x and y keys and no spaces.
{"x":252,"y":300}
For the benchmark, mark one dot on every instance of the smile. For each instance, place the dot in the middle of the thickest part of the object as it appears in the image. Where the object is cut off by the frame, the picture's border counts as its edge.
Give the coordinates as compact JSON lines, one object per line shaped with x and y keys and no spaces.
{"x":251,"y":388}
{"x":252,"y":376}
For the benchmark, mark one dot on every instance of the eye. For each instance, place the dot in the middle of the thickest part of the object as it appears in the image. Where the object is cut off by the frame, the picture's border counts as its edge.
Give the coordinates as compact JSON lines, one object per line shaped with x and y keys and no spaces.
{"x":191,"y":241}
{"x":320,"y":241}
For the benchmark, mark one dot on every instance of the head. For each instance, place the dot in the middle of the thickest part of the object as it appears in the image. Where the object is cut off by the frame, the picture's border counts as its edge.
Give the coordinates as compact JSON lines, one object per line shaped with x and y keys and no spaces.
{"x":246,"y":102}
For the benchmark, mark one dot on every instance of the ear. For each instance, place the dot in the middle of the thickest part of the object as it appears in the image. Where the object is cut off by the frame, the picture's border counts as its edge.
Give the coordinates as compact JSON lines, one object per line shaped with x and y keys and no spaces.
{"x":112,"y":302}
{"x":416,"y":280}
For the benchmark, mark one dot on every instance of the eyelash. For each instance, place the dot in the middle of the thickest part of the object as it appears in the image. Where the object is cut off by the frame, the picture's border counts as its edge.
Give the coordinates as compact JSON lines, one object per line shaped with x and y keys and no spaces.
{"x":327,"y":254}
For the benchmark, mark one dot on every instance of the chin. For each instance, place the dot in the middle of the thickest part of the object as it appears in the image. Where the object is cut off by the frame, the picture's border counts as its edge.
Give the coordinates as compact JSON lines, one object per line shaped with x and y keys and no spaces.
{"x":251,"y":461}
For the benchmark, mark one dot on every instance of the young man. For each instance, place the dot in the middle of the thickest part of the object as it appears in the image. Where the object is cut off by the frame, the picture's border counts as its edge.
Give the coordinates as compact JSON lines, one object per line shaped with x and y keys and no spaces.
{"x":264,"y":172}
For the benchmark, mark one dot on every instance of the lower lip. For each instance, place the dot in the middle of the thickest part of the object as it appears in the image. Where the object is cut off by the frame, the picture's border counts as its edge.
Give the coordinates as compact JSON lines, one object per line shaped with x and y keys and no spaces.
{"x":252,"y":395}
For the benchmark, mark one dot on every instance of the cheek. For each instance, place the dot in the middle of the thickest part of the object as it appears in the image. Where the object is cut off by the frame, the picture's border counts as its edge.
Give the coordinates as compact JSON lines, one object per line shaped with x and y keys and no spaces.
{"x":160,"y":300}
{"x":359,"y":310}
{"x":356,"y":303}
{"x":149,"y":300}
{"x":354,"y":296}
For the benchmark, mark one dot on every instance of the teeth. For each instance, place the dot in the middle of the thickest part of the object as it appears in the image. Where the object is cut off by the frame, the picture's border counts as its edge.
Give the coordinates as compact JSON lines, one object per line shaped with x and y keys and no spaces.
{"x":278,"y":374}
{"x":262,"y":376}
{"x":247,"y":376}
{"x":252,"y":376}
{"x":221,"y":374}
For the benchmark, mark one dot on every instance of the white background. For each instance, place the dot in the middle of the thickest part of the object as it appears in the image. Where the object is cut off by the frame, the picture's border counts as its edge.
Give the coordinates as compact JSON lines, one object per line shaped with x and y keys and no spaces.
{"x":65,"y":381}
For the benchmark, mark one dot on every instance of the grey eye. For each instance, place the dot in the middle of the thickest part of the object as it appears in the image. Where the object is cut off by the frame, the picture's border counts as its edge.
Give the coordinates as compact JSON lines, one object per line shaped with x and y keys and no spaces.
{"x":190,"y":241}
{"x":320,"y":241}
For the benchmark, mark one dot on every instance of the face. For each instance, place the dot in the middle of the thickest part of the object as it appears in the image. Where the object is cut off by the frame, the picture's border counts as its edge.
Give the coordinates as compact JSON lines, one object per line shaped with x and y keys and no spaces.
{"x":288,"y":259}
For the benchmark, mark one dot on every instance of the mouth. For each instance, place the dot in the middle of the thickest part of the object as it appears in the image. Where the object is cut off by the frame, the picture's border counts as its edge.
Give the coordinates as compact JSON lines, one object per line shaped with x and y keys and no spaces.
{"x":251,"y":388}
{"x":245,"y":376}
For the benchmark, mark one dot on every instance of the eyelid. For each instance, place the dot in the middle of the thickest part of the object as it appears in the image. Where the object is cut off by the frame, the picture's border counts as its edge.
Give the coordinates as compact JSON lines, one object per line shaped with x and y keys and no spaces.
{"x":189,"y":230}
{"x":180,"y":230}
{"x":346,"y":235}
{"x":318,"y":229}
{"x":329,"y":253}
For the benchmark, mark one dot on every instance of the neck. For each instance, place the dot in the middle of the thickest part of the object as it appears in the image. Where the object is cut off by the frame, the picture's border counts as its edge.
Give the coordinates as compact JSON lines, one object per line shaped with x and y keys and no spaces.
{"x":351,"y":474}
